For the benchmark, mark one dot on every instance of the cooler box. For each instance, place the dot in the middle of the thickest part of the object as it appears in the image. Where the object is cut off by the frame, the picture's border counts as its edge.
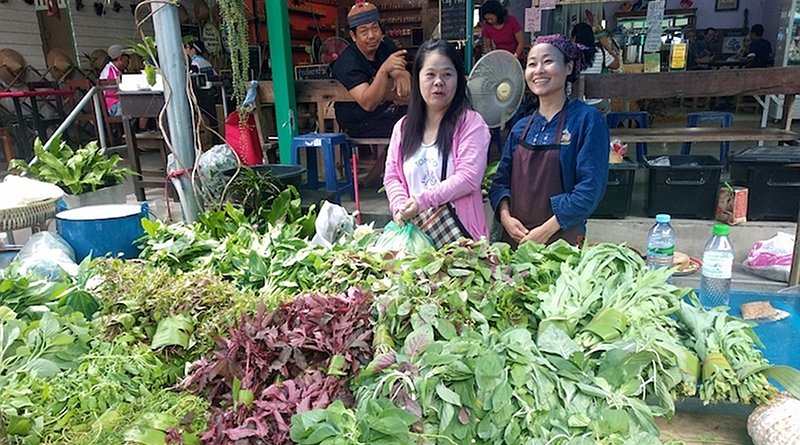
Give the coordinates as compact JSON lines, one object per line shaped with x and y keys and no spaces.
{"x":687,"y":188}
{"x":616,"y":202}
{"x":773,"y":176}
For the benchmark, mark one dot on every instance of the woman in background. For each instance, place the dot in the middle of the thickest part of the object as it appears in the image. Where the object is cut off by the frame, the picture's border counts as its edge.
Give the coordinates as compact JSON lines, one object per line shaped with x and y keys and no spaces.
{"x":598,"y":56}
{"x":500,"y":30}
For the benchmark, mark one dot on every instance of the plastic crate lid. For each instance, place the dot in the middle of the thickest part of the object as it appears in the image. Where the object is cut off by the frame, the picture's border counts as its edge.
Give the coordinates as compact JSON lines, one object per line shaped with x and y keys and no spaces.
{"x":784,"y":154}
{"x":704,"y":162}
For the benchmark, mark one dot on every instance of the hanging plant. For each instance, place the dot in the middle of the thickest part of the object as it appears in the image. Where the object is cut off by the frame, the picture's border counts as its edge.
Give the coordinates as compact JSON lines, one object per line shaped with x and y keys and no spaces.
{"x":234,"y":25}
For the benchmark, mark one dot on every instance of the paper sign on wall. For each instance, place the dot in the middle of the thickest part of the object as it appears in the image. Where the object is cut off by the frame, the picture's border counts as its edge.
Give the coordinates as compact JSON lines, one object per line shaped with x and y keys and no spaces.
{"x":547,"y":4}
{"x":533,"y":19}
{"x":655,"y":20}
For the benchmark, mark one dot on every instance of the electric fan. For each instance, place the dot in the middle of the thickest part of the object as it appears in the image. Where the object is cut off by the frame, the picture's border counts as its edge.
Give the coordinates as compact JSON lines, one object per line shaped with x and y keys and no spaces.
{"x":496,"y":86}
{"x":11,"y":66}
{"x":331,"y":49}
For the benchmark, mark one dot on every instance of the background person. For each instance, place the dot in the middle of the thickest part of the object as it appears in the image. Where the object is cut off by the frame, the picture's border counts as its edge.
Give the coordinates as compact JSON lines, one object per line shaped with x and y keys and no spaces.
{"x":195,"y":50}
{"x":374,"y":72}
{"x":598,"y":57}
{"x":439,"y":125}
{"x":554,"y":168}
{"x":704,"y":50}
{"x":760,"y":50}
{"x":500,"y":30}
{"x":118,"y":58}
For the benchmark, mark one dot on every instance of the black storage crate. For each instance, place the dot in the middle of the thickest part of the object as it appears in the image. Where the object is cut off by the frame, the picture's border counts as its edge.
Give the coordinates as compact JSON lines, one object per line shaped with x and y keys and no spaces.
{"x":773,"y":176}
{"x":616,"y":202}
{"x":687,"y":188}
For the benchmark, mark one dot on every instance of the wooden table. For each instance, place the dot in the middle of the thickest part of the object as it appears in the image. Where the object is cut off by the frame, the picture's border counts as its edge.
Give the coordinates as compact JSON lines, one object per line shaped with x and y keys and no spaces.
{"x":24,"y":142}
{"x":702,"y":134}
{"x":136,"y":104}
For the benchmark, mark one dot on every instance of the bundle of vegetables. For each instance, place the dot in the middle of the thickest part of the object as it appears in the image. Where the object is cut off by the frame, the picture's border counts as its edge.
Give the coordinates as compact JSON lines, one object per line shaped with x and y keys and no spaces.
{"x":277,"y":363}
{"x":273,"y":256}
{"x":733,"y":366}
{"x":178,"y":312}
{"x":595,"y":329}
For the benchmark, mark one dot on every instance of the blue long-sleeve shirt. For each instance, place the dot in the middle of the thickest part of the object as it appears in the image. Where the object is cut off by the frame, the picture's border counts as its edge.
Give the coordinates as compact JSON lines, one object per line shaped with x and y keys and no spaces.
{"x":583,"y":158}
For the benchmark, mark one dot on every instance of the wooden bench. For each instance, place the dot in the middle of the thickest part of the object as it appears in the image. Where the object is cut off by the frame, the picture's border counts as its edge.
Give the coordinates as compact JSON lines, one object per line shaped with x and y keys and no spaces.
{"x":322,"y":93}
{"x":687,"y":84}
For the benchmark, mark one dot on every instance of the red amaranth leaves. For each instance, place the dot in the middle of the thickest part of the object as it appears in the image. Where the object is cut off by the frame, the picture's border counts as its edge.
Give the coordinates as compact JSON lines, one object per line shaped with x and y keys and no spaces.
{"x":282,"y":358}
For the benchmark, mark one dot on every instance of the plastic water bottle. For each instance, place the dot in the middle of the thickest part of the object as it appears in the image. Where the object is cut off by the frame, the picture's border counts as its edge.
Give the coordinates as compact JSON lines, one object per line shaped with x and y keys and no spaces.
{"x":715,"y":279}
{"x":660,"y":243}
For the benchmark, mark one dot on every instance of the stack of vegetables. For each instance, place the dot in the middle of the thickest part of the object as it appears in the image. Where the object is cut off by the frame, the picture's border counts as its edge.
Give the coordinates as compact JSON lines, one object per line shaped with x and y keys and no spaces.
{"x":235,"y":330}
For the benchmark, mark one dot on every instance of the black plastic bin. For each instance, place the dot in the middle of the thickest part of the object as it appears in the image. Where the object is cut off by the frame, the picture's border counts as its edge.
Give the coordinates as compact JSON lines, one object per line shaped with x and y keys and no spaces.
{"x":772,"y":174}
{"x":687,"y":188}
{"x":616,"y":202}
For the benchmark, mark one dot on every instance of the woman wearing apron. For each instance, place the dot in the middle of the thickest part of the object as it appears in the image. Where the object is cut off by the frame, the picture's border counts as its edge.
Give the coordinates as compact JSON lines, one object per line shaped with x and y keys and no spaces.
{"x":554,"y":167}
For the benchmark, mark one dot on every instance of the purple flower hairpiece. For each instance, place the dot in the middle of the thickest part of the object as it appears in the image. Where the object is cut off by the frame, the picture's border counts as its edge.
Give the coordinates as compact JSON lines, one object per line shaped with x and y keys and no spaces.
{"x":573,"y":51}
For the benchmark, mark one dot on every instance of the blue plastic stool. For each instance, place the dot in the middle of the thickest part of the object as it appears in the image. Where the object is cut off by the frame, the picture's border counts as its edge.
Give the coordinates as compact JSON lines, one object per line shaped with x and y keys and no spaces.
{"x":328,"y":143}
{"x":725,"y":120}
{"x":616,"y":118}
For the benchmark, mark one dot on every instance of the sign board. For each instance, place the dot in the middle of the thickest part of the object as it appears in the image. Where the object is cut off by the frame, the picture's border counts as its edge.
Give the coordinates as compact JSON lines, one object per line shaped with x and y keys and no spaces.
{"x":677,"y":59}
{"x":533,"y":19}
{"x":453,"y":19}
{"x":311,"y":72}
{"x":655,"y":21}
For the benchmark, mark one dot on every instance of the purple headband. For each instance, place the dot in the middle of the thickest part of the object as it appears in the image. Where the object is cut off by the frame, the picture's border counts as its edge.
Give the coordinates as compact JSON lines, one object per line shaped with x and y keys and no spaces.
{"x":573,"y":51}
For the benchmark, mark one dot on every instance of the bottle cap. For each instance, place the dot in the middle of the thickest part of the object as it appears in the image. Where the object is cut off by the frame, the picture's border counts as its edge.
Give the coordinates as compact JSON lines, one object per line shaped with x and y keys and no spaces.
{"x":721,"y":230}
{"x":663,"y":218}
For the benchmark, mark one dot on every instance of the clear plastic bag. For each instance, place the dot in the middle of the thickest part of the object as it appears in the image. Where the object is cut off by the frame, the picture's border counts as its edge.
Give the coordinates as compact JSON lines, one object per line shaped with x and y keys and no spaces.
{"x":407,"y":238}
{"x":46,"y":254}
{"x":772,"y":258}
{"x":216,"y":160}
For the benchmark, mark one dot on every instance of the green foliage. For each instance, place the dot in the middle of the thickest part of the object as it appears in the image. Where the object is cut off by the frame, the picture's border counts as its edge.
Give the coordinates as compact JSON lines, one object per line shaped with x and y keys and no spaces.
{"x":147,"y":50}
{"x":178,"y":313}
{"x":235,"y":28}
{"x":75,"y":171}
{"x":253,"y":191}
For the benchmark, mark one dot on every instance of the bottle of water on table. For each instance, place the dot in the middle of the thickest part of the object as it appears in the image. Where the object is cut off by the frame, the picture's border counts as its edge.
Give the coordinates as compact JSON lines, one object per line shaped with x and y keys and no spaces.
{"x":660,"y":243}
{"x":715,"y":279}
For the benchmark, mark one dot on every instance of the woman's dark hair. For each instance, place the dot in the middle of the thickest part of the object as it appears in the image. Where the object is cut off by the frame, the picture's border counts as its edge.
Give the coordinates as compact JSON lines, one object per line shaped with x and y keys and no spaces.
{"x":583,"y":34}
{"x":495,"y":8}
{"x":198,"y":46}
{"x":414,"y":125}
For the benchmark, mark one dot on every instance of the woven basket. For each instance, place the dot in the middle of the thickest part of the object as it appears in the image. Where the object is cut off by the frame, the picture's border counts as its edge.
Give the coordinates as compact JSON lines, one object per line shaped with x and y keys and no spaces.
{"x":30,"y":215}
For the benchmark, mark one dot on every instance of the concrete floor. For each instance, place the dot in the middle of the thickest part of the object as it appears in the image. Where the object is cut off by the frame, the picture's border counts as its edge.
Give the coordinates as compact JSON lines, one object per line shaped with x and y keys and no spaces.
{"x":691,"y":233}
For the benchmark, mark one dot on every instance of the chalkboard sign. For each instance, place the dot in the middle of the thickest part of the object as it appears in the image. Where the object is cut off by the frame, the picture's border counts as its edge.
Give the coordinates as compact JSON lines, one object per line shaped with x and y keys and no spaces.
{"x":453,"y":19}
{"x":311,"y":72}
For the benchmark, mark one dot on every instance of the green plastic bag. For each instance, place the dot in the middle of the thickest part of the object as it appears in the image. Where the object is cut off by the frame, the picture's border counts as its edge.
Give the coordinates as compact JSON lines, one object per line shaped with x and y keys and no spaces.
{"x":407,"y":238}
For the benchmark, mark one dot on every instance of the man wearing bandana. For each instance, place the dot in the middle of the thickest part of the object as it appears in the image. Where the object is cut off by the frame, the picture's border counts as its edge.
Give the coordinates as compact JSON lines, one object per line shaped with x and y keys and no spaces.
{"x":374,"y":72}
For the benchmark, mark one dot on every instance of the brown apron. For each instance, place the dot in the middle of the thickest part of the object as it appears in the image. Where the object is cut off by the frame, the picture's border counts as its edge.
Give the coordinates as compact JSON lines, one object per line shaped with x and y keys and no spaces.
{"x":535,"y":177}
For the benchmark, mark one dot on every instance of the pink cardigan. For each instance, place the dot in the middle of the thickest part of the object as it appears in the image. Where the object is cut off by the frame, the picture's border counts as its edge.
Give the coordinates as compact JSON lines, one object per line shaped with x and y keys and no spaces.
{"x":462,"y":188}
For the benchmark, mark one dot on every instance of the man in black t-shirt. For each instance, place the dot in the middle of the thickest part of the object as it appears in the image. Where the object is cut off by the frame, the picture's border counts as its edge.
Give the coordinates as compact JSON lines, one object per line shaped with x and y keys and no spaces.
{"x":760,"y":50}
{"x":373,"y":71}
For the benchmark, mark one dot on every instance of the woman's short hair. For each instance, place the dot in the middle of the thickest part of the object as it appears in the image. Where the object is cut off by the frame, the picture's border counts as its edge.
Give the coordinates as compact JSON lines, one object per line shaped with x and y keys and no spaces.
{"x":495,"y":8}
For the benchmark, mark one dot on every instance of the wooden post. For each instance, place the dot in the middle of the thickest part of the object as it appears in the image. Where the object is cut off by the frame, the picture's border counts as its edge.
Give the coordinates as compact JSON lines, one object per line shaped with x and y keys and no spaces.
{"x":794,"y":274}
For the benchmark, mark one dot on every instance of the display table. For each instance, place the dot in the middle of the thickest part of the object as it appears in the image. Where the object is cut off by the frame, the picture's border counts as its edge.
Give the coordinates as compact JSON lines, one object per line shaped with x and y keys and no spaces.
{"x":136,"y":104}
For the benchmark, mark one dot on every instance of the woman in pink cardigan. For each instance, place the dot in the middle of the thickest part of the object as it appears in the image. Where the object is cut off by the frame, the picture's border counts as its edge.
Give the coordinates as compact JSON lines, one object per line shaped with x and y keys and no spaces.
{"x":439,"y":127}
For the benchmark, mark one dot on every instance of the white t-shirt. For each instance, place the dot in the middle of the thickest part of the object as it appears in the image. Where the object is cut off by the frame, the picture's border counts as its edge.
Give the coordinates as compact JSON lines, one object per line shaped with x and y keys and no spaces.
{"x":597,"y":63}
{"x":423,"y":169}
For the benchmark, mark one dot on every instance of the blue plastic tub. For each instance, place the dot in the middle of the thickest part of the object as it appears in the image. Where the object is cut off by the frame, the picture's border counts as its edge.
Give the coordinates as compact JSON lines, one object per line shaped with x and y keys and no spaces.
{"x":103,"y":230}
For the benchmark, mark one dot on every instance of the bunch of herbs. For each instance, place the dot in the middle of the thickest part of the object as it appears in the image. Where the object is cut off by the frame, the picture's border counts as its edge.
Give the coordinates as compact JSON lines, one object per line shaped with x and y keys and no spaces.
{"x":314,"y":342}
{"x":75,"y":171}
